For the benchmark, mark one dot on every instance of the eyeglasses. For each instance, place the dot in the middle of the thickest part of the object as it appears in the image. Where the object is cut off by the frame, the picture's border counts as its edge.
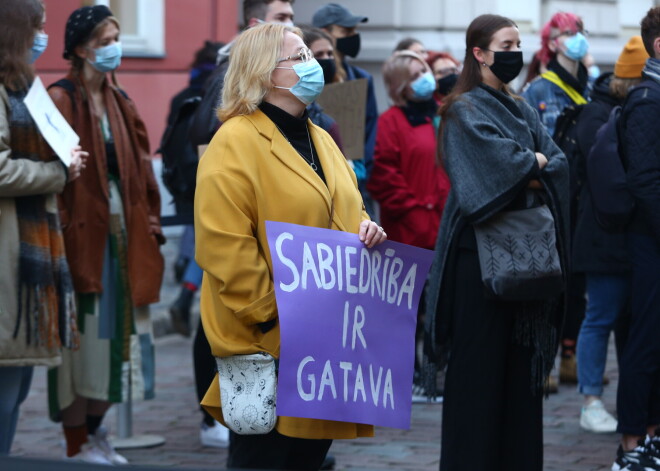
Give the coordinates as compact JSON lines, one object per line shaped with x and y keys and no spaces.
{"x":304,"y":55}
{"x":571,"y":33}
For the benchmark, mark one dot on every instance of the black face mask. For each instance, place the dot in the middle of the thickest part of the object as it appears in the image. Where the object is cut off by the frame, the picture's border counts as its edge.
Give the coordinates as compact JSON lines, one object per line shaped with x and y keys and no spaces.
{"x":445,"y":84}
{"x":349,"y":46}
{"x":507,"y":65}
{"x":329,"y":69}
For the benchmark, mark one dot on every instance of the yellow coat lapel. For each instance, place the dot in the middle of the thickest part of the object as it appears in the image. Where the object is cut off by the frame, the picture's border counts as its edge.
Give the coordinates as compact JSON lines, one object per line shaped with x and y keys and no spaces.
{"x":283,"y":150}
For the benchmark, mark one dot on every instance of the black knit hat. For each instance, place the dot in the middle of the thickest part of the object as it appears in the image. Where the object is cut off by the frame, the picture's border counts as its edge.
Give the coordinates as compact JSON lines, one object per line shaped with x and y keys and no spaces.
{"x":80,"y":25}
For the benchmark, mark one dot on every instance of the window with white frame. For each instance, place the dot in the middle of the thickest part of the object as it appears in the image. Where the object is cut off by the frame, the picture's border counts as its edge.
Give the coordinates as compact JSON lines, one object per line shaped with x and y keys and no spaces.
{"x":142,"y":26}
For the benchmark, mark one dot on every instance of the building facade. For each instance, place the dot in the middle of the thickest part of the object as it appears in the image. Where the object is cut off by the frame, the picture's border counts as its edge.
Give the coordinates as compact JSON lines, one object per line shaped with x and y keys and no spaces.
{"x":160,"y":36}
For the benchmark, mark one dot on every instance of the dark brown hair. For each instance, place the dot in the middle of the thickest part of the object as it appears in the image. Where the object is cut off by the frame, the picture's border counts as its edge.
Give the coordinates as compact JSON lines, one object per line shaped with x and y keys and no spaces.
{"x":19,"y":21}
{"x":651,"y":29}
{"x":312,"y":34}
{"x":479,"y":34}
{"x":257,"y":8}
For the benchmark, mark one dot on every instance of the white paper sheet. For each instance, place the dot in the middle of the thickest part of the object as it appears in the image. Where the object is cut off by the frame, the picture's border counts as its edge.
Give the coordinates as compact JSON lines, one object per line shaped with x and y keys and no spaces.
{"x":54,"y":128}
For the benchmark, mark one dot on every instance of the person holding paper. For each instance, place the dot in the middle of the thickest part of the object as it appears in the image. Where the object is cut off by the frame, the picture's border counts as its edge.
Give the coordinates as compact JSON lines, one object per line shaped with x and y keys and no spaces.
{"x":111,"y":220}
{"x":268,"y":162}
{"x":37,"y":309}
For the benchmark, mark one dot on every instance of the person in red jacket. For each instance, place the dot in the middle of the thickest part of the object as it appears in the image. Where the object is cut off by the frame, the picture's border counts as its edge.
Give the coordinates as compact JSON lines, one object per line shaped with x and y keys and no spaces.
{"x":406,"y":180}
{"x":409,"y":185}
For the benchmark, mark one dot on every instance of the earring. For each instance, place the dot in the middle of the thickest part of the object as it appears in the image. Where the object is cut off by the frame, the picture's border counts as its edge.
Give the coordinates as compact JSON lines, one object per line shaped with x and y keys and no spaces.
{"x":484,"y":64}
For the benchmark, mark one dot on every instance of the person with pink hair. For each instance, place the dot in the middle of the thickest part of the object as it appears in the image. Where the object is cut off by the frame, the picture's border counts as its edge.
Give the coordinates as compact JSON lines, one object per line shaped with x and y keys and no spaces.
{"x":563,"y":46}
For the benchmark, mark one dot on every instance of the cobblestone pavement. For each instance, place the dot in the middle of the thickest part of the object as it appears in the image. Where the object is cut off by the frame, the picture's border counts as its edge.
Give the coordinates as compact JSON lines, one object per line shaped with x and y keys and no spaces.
{"x":174,"y":415}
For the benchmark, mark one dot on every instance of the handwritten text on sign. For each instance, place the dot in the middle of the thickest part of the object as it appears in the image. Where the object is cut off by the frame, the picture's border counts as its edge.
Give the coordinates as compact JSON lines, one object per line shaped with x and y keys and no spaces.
{"x":347,"y":316}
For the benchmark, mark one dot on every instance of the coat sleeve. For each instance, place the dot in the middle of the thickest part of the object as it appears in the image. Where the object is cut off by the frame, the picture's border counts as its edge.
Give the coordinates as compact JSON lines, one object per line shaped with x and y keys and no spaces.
{"x":386,"y":183}
{"x":225,"y":237}
{"x":478,"y":156}
{"x":23,"y":177}
{"x":557,"y":165}
{"x":153,"y":192}
{"x":642,"y":153}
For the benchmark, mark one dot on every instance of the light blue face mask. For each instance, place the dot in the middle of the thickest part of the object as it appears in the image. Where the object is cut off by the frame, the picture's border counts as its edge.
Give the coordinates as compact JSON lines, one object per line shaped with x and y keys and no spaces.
{"x":107,"y":57}
{"x":423,"y":87}
{"x":594,"y":72}
{"x":576,"y":47}
{"x":310,"y":81}
{"x":39,"y":45}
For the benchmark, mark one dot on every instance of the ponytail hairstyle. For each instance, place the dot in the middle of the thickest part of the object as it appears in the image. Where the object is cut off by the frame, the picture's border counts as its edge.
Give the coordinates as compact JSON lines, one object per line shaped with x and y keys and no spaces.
{"x":479,"y":34}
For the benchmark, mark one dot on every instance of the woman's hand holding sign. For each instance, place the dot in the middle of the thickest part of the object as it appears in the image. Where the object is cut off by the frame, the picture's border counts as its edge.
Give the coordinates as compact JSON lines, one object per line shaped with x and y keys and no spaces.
{"x":371,"y":234}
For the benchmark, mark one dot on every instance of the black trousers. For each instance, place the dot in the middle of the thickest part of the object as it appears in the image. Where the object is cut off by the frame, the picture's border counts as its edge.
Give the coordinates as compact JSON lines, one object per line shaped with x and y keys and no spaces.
{"x":491,"y":418}
{"x":205,"y":368}
{"x":276,"y":451}
{"x":638,"y":396}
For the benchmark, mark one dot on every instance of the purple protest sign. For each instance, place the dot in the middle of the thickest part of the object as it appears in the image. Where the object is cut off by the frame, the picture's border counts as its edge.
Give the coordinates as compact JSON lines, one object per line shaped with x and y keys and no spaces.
{"x":347,"y":320}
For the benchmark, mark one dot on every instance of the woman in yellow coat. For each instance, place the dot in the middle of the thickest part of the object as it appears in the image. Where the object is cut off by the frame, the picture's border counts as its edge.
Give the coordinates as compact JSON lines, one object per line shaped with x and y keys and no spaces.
{"x":268,"y":162}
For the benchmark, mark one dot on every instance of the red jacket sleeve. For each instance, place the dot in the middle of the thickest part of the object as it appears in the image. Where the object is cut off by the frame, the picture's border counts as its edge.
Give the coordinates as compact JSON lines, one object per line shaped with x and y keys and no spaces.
{"x":387,"y":184}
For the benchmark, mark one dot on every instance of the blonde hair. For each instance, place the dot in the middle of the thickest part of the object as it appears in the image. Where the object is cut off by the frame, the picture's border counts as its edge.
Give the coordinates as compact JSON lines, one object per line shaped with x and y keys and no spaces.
{"x":619,"y":87}
{"x":397,"y":75}
{"x":252,"y":60}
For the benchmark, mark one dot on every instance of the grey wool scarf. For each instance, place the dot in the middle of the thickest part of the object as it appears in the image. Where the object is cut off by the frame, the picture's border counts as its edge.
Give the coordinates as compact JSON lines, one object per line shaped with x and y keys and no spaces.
{"x":489,"y":144}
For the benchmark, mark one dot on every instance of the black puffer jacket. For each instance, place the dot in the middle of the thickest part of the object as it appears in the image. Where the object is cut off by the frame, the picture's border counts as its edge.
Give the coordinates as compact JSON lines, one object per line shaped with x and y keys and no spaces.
{"x":640,"y":119}
{"x":595,"y":250}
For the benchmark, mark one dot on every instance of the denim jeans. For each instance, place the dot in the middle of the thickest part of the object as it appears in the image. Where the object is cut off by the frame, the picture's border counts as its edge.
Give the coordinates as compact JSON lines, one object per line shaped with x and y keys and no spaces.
{"x":193,"y":274}
{"x":14,"y":387}
{"x":607,"y":299}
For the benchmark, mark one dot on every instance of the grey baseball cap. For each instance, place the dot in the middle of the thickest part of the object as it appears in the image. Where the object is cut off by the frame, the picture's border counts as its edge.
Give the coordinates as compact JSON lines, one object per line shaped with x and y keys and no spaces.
{"x":335,"y":14}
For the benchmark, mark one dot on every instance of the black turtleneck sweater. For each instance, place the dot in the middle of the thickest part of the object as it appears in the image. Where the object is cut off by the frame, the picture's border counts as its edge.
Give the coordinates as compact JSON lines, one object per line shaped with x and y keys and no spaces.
{"x":579,"y":83}
{"x":296,"y":132}
{"x":420,"y":112}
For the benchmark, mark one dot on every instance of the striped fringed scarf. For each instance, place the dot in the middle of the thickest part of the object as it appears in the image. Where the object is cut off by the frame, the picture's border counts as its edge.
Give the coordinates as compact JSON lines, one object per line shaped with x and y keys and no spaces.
{"x":45,"y":291}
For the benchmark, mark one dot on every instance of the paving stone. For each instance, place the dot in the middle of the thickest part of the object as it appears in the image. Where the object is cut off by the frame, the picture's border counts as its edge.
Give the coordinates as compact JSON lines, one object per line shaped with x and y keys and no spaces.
{"x":174,"y":414}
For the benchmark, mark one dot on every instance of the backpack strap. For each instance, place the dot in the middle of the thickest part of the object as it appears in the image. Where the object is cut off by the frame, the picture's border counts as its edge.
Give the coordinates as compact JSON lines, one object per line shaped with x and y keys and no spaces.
{"x":67,"y":85}
{"x":573,"y":94}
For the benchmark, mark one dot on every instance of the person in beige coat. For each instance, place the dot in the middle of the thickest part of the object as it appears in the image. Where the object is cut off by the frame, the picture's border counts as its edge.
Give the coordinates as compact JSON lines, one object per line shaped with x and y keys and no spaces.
{"x":37,"y":314}
{"x":268,"y":162}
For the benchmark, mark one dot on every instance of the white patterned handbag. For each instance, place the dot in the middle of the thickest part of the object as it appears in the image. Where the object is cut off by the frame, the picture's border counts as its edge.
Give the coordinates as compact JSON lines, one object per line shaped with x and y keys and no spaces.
{"x":248,"y":392}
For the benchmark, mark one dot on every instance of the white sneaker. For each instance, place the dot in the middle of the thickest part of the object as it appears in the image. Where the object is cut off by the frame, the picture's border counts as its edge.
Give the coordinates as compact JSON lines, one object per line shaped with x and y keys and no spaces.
{"x":100,"y":440}
{"x":216,"y":436}
{"x":594,"y":418}
{"x":90,"y":453}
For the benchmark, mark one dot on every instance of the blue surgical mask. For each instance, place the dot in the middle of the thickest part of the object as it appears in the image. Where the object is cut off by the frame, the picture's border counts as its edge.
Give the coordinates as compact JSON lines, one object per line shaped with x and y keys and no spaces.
{"x":423,"y":87}
{"x":594,"y":71}
{"x":310,"y":81}
{"x":107,"y":57}
{"x":576,"y":47}
{"x":39,"y":45}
